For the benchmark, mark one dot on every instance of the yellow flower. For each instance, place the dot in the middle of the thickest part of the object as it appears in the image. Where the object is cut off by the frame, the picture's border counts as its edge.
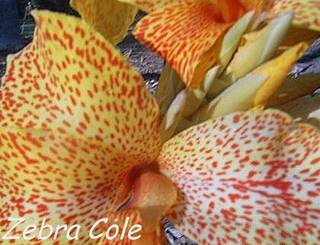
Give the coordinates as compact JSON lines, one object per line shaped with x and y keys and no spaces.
{"x":79,"y":133}
{"x":187,"y":33}
{"x":223,"y":56}
{"x":245,"y":77}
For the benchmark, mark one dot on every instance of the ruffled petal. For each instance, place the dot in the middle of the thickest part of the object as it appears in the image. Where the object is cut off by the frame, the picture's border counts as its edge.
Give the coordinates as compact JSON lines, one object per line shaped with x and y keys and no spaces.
{"x":70,"y":79}
{"x":306,"y":12}
{"x":59,"y":178}
{"x":246,"y":178}
{"x":111,"y":18}
{"x":185,"y":35}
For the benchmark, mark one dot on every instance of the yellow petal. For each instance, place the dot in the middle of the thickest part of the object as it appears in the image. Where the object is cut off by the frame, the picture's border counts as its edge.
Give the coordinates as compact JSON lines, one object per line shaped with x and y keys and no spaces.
{"x":254,"y":89}
{"x":70,"y":79}
{"x":73,"y":122}
{"x":294,"y":88}
{"x":171,"y":91}
{"x":259,"y":47}
{"x":210,"y":77}
{"x":238,"y":97}
{"x":58,"y":177}
{"x":177,"y":102}
{"x":213,"y":85}
{"x":232,"y":38}
{"x":184,"y":105}
{"x":246,"y":178}
{"x":306,"y":12}
{"x":277,"y":69}
{"x":173,"y":116}
{"x":109,"y":17}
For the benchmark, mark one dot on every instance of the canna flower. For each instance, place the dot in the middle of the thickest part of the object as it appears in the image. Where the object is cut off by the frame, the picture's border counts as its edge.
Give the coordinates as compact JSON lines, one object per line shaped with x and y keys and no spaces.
{"x":222,"y":90}
{"x":80,"y":133}
{"x":251,"y":38}
{"x":188,"y":33}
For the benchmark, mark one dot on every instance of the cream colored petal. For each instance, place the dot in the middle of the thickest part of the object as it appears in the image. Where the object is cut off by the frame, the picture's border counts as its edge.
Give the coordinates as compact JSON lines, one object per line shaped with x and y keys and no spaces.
{"x":246,"y":178}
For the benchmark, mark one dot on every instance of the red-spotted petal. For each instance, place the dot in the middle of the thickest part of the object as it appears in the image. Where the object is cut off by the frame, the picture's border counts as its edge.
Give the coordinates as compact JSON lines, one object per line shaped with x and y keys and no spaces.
{"x":74,"y":120}
{"x":247,"y":178}
{"x":306,"y":12}
{"x":60,"y":178}
{"x":72,"y":80}
{"x":185,"y":35}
